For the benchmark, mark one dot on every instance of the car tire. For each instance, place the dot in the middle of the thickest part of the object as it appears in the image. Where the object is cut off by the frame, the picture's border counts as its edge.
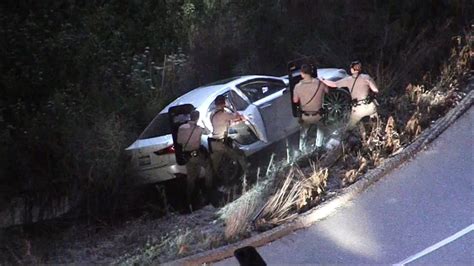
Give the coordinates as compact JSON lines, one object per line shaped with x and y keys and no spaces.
{"x":337,"y":107}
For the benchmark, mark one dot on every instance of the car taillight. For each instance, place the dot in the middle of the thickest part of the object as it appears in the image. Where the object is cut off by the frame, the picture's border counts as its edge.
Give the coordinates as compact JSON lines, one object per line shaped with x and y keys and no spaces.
{"x":167,"y":150}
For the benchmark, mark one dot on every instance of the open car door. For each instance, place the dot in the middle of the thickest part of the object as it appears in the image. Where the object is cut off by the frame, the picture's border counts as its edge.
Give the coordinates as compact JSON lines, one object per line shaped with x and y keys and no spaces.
{"x":251,"y":112}
{"x":179,"y":115}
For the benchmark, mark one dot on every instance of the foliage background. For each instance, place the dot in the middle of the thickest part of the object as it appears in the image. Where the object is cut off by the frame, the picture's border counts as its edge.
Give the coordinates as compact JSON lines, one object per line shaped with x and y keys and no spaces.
{"x":81,"y":79}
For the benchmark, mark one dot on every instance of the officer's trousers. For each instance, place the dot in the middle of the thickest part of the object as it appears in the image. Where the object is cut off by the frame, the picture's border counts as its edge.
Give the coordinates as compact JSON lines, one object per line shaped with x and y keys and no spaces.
{"x":220,"y":150}
{"x":359,"y":112}
{"x":193,"y":169}
{"x":307,"y":123}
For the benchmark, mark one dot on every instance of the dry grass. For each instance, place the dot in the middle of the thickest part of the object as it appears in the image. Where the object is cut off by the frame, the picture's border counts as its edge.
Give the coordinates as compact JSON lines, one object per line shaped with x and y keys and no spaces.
{"x":296,"y":192}
{"x":238,"y":215}
{"x":314,"y":186}
{"x":279,"y":207}
{"x":237,"y":224}
{"x":184,"y":236}
{"x":360,"y":168}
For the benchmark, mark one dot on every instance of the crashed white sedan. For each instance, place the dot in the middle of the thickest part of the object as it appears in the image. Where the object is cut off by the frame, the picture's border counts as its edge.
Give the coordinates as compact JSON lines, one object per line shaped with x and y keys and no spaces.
{"x":264,"y":100}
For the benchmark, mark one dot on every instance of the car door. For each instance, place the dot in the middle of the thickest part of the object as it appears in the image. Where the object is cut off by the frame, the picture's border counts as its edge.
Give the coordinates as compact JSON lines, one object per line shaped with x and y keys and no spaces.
{"x":272,"y":100}
{"x":239,"y":102}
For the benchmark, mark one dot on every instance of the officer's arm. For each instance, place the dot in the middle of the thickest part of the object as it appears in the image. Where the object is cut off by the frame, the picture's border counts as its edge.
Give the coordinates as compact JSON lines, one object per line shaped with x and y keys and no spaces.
{"x":205,"y":130}
{"x":329,"y":83}
{"x":240,"y":117}
{"x":325,"y":88}
{"x":179,"y":136}
{"x":296,"y":98}
{"x":232,"y":118}
{"x":372,"y":85}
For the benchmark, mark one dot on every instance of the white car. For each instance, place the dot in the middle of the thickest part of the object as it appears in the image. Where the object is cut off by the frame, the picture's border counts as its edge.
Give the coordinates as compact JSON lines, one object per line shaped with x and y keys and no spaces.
{"x":264,"y":100}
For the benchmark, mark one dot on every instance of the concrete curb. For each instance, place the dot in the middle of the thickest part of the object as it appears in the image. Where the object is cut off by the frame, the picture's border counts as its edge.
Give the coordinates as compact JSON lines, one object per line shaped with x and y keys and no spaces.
{"x":327,"y":208}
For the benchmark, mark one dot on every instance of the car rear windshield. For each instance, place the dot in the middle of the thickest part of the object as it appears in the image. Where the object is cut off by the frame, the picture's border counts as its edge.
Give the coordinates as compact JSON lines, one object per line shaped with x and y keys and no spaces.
{"x":160,"y":126}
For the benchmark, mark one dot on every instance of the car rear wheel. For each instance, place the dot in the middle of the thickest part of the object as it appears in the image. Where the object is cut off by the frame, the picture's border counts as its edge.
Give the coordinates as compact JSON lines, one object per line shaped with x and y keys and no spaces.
{"x":337,"y":107}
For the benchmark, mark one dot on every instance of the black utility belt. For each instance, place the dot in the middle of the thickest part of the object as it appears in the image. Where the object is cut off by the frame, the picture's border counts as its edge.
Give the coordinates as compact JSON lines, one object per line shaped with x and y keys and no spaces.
{"x":226,"y":141}
{"x":363,"y":101}
{"x":217,"y":140}
{"x":312,"y":113}
{"x":194,"y":153}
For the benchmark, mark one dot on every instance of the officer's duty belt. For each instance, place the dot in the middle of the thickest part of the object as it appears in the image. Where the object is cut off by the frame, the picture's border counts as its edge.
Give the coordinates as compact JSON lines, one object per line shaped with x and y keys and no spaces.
{"x":312,"y":113}
{"x":218,"y":140}
{"x":361,"y":102}
{"x":194,"y":153}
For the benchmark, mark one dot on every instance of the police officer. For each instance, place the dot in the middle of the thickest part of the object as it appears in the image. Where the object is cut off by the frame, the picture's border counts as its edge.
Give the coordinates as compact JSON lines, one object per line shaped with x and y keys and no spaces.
{"x":221,"y":119}
{"x":189,"y":137}
{"x":308,"y":94}
{"x":360,"y":86}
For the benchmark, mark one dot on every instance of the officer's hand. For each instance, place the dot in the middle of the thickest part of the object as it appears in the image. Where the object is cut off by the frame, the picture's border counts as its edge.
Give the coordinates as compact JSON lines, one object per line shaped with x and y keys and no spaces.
{"x":242,"y":117}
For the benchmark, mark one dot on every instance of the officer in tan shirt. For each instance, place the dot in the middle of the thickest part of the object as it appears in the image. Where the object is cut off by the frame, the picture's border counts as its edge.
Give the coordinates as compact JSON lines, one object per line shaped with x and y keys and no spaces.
{"x":221,"y":120}
{"x":360,"y":85}
{"x":308,"y":94}
{"x":189,"y":136}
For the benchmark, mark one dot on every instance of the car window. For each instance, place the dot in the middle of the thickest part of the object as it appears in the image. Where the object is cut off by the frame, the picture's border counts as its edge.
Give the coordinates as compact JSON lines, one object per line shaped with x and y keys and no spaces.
{"x":257,"y":90}
{"x":276,"y":85}
{"x":160,"y":126}
{"x":239,"y":102}
{"x":229,"y":104}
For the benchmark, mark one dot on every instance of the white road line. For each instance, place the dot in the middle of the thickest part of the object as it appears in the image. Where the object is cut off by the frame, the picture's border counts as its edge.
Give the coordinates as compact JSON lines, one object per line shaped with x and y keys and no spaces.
{"x":437,"y":245}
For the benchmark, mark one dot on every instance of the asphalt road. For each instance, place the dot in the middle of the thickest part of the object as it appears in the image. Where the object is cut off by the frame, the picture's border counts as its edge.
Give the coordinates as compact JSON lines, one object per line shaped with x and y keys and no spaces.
{"x":420,"y":213}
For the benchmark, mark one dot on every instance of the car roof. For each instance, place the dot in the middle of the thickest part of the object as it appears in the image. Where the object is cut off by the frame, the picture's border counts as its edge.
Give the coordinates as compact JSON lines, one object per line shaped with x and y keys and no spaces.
{"x":326,"y":73}
{"x":205,"y":94}
{"x":198,"y":96}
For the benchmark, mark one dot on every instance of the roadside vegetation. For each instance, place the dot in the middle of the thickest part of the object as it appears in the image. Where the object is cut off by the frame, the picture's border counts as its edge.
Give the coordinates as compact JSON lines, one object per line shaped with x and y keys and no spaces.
{"x":80,"y":80}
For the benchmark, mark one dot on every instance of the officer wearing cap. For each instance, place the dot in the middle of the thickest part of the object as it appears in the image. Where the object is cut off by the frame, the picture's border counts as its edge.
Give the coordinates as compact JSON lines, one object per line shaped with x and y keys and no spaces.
{"x":221,"y":120}
{"x":308,"y":95}
{"x":360,"y":86}
{"x":189,"y":137}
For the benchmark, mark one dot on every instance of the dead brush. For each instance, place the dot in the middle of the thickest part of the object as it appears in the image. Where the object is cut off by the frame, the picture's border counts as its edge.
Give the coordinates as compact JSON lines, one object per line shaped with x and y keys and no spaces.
{"x":392,"y":138}
{"x":372,"y":141}
{"x":238,"y":215}
{"x":297,"y":191}
{"x":313,"y":186}
{"x":351,"y":176}
{"x":238,"y":221}
{"x":172,"y":245}
{"x":412,"y":127}
{"x":281,"y":206}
